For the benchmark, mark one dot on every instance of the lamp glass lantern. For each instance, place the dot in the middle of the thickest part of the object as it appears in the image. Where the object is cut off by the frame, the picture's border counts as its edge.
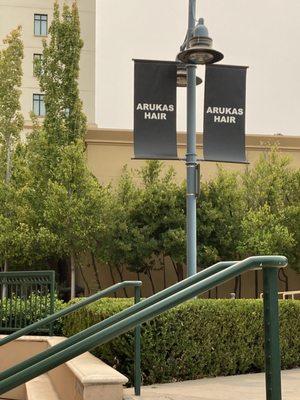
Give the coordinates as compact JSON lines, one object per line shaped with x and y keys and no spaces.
{"x":182,"y":76}
{"x":199,"y":48}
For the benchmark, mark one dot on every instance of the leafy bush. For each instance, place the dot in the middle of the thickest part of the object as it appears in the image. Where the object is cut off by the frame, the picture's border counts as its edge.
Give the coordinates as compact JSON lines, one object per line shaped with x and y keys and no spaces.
{"x":20,"y":313}
{"x":199,"y":338}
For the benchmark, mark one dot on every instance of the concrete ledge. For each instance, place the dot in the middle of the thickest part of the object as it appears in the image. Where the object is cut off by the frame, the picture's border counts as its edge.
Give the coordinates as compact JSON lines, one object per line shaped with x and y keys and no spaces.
{"x":19,"y":350}
{"x":83,"y":378}
{"x":90,"y":370}
{"x":86,"y":378}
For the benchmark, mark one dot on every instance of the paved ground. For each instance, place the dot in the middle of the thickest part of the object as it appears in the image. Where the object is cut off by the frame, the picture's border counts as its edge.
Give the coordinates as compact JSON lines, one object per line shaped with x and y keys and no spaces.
{"x":242,"y":387}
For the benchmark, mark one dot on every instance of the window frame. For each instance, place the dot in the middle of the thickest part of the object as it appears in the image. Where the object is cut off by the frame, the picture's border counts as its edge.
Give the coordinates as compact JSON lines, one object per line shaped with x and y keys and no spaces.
{"x":40,"y":99}
{"x":39,"y":18}
{"x":35,"y":56}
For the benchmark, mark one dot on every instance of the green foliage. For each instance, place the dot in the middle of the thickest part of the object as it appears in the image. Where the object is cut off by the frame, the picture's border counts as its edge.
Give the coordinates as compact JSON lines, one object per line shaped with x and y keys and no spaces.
{"x":74,"y":203}
{"x":58,"y":73}
{"x":17,"y":311}
{"x":65,"y":202}
{"x":196,"y":339}
{"x":271,"y":181}
{"x":146,"y":221}
{"x":272,"y":209}
{"x":11,"y":124}
{"x":11,"y":120}
{"x":51,"y":207}
{"x":238,"y":215}
{"x":220,"y":211}
{"x":264,"y":232}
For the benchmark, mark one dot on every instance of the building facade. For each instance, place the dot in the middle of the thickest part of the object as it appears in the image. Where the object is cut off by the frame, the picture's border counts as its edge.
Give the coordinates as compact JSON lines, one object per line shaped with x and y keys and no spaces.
{"x":109,"y":150}
{"x":34,"y":16}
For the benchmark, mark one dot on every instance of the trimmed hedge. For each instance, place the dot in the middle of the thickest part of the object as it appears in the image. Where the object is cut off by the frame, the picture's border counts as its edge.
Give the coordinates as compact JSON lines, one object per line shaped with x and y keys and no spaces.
{"x":14,"y":312}
{"x":197,"y":339}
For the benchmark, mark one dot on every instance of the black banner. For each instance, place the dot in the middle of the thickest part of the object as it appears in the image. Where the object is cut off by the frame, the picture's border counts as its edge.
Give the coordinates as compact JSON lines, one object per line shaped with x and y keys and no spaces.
{"x":155,"y":110}
{"x":224,"y":113}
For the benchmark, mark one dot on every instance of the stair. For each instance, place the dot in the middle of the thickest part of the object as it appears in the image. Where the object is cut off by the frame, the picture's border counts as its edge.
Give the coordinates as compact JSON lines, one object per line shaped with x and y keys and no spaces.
{"x":83,"y":378}
{"x":41,"y":388}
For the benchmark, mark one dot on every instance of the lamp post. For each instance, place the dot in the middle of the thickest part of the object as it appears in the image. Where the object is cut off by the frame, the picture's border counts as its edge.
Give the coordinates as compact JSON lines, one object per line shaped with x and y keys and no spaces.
{"x":196,"y":50}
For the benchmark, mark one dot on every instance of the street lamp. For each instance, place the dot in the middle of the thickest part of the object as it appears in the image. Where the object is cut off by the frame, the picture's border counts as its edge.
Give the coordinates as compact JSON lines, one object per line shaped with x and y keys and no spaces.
{"x":197,"y":49}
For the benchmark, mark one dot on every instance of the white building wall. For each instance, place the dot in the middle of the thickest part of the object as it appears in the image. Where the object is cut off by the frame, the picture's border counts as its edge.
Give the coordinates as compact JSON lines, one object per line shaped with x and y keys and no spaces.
{"x":21,"y":12}
{"x":263,"y":34}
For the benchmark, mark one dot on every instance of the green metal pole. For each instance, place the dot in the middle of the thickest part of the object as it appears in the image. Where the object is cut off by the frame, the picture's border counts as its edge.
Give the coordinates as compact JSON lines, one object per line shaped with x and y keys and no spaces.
{"x":137,"y":349}
{"x":272,"y":345}
{"x":191,"y":159}
{"x":52,"y":300}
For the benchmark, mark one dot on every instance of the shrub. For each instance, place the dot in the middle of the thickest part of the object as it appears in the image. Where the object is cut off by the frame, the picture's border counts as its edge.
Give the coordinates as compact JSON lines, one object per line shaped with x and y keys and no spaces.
{"x":196,"y":339}
{"x":20,"y":313}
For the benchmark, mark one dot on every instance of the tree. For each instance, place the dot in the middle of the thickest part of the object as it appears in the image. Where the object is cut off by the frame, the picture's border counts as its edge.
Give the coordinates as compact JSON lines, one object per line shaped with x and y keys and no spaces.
{"x":273,"y":187}
{"x":58,"y":74}
{"x":73,"y":208}
{"x":11,"y":124}
{"x":146,"y":223}
{"x":220,"y":210}
{"x":271,"y":192}
{"x":264,"y":233}
{"x":219,"y":214}
{"x":255,"y":212}
{"x":119,"y":246}
{"x":161,"y":218}
{"x":68,"y":199}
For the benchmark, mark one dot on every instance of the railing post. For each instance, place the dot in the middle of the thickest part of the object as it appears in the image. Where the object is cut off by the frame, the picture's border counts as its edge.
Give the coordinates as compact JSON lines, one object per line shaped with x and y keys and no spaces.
{"x":52,"y":300}
{"x":272,"y":344}
{"x":137,"y":348}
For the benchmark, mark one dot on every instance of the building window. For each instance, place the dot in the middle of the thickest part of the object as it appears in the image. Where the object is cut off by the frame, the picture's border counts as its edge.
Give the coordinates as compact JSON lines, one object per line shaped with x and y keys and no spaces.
{"x":39,"y":105}
{"x":40,"y":24}
{"x":37,"y":58}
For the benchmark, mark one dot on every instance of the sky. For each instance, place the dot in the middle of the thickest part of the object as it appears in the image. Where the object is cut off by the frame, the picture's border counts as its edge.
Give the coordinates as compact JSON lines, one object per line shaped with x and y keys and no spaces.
{"x":261,"y":34}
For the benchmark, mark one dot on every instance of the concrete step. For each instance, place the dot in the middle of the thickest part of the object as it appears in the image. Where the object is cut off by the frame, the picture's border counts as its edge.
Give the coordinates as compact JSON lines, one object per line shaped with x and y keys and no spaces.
{"x":41,"y":388}
{"x":83,"y":378}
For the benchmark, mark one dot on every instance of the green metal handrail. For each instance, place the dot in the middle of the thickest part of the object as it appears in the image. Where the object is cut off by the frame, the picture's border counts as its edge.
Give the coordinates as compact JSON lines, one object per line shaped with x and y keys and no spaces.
{"x":51,"y":318}
{"x":268,"y":263}
{"x":83,"y":303}
{"x":116,"y":318}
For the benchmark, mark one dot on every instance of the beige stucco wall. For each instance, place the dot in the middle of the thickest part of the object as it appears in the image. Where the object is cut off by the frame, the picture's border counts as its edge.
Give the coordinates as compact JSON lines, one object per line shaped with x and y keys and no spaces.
{"x":21,"y":12}
{"x":15,"y":352}
{"x":83,"y":378}
{"x":109,"y":277}
{"x":109,"y":150}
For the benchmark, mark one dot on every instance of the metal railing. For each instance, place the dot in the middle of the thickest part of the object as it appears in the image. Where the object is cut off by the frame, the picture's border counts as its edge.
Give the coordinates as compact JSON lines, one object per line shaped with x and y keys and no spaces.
{"x":68,"y":310}
{"x":285,"y":295}
{"x":80,"y":304}
{"x":155,"y":305}
{"x":108,"y":322}
{"x":25,"y":297}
